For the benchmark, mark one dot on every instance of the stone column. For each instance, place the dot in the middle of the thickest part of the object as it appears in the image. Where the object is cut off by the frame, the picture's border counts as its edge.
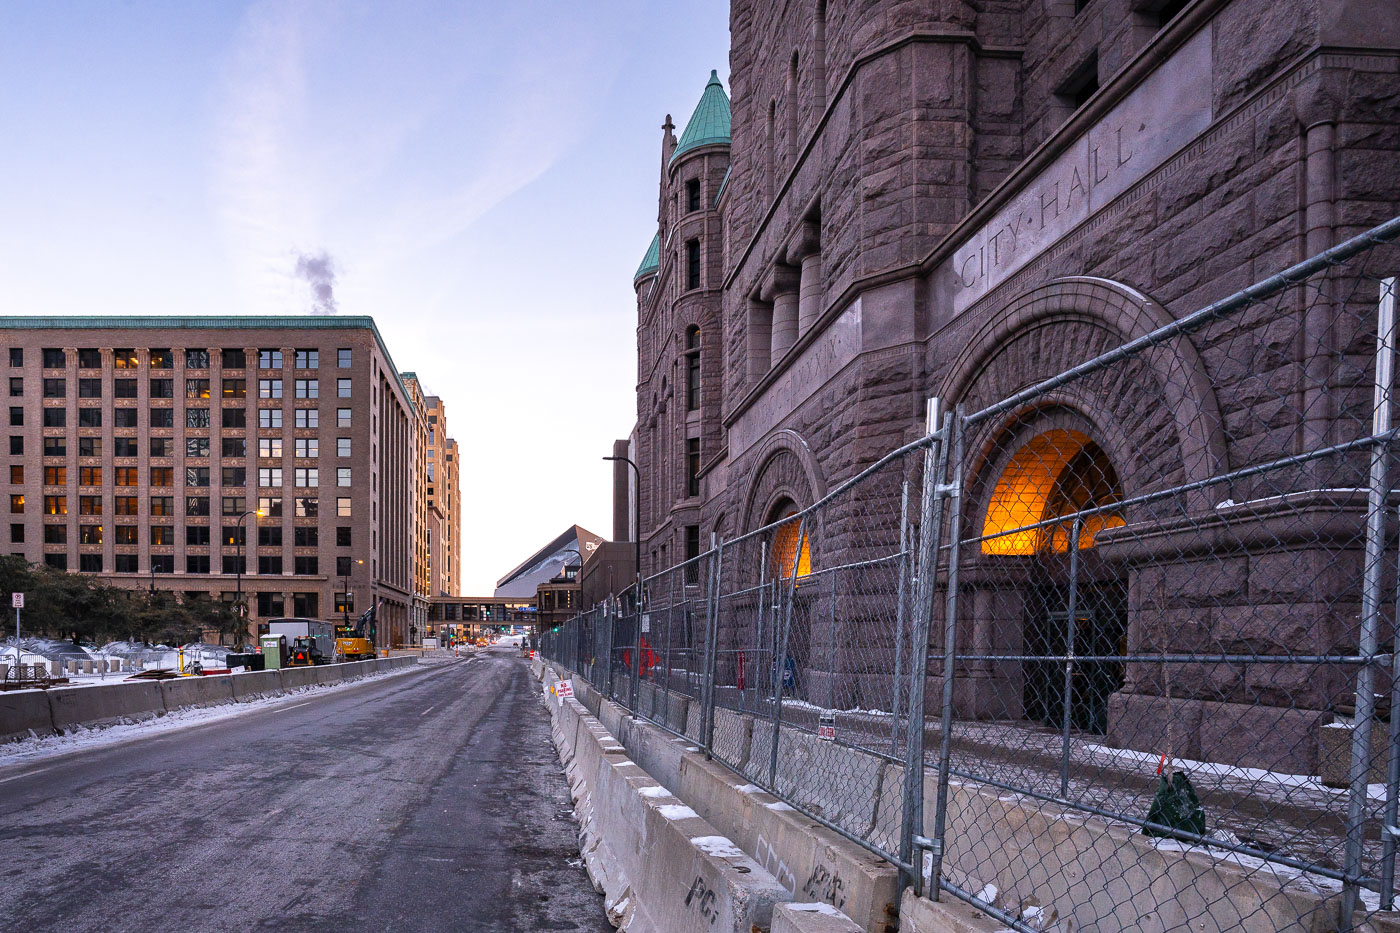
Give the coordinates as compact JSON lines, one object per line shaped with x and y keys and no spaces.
{"x":781,"y":288}
{"x":805,"y":250}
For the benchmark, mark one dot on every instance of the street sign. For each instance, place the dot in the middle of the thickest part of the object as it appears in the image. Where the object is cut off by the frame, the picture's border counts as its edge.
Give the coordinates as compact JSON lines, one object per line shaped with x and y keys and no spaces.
{"x":826,"y":727}
{"x":646,"y":622}
{"x":16,"y":600}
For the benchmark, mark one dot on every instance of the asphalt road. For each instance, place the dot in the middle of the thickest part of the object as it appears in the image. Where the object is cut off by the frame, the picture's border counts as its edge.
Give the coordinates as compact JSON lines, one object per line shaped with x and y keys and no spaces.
{"x":427,"y":801}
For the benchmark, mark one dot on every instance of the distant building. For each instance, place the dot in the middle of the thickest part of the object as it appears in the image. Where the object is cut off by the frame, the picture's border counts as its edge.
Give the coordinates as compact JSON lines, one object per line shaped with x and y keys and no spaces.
{"x":141,"y":449}
{"x":570,"y":547}
{"x":444,"y":504}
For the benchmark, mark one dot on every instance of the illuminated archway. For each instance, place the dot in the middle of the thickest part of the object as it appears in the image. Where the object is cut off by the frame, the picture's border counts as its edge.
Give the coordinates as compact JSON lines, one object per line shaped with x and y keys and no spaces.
{"x":1057,"y":473}
{"x":785,"y":543}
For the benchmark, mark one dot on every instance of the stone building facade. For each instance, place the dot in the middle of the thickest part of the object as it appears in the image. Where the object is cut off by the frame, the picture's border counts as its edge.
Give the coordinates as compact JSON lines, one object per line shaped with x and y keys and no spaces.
{"x":444,"y":504}
{"x":958,"y":199}
{"x":141,"y":449}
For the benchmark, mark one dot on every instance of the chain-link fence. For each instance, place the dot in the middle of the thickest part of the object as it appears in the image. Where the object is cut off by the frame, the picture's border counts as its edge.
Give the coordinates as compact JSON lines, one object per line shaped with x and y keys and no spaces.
{"x":1140,"y":596}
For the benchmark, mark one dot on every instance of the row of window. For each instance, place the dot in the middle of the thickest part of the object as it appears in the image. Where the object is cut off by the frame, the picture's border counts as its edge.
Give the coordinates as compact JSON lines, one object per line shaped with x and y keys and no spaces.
{"x":165,"y":418}
{"x":305,"y":506}
{"x":194,"y":563}
{"x":126,"y":358}
{"x":195,"y":535}
{"x":194,"y":476}
{"x":198,"y":447}
{"x":57,"y":387}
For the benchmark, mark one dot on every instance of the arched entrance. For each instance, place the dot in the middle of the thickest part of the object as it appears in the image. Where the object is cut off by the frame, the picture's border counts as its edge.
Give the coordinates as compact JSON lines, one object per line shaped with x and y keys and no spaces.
{"x":1056,"y":493}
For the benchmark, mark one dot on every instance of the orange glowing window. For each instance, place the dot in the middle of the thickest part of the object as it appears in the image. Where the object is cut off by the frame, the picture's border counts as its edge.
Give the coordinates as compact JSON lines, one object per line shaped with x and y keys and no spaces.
{"x":1059,"y":472}
{"x":785,"y":547}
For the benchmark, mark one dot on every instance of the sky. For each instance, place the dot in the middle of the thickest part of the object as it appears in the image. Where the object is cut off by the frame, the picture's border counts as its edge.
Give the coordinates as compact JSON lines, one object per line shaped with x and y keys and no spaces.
{"x":480,"y":177}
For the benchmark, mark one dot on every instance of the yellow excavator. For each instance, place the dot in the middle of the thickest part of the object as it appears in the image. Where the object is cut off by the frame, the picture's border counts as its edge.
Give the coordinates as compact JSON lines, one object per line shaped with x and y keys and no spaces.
{"x":356,"y":642}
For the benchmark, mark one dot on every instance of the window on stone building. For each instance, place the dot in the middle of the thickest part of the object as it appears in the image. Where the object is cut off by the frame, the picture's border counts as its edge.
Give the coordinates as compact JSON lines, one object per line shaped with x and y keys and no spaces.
{"x":55,"y":418}
{"x":89,"y":534}
{"x":308,"y":359}
{"x":17,"y":533}
{"x":124,"y":476}
{"x":342,"y":536}
{"x":162,"y":476}
{"x":308,"y":388}
{"x":692,"y":264}
{"x":234,"y":359}
{"x":234,"y":447}
{"x":692,"y":466}
{"x":196,"y":447}
{"x":89,"y":358}
{"x":342,"y":417}
{"x":308,"y":417}
{"x":269,"y":536}
{"x":270,"y":477}
{"x":235,"y":418}
{"x":162,"y":388}
{"x":235,"y":388}
{"x":197,"y":563}
{"x":305,"y":605}
{"x":235,"y":563}
{"x":162,"y":417}
{"x":162,"y":505}
{"x":125,"y":505}
{"x":56,"y":561}
{"x":196,"y":417}
{"x":1081,"y":83}
{"x":89,"y":417}
{"x":306,"y":565}
{"x":54,"y":358}
{"x":196,"y":505}
{"x":16,"y":445}
{"x":270,"y":506}
{"x":55,"y":388}
{"x":270,"y":604}
{"x":270,"y":447}
{"x":197,"y":535}
{"x":307,"y":507}
{"x":196,"y":388}
{"x":90,"y":563}
{"x":270,"y":564}
{"x":786,"y":548}
{"x":269,"y":359}
{"x":692,"y":368}
{"x":342,"y":388}
{"x":162,"y":563}
{"x":342,"y":507}
{"x":16,"y":356}
{"x":89,"y":388}
{"x":89,"y":505}
{"x":308,"y":447}
{"x":342,"y":446}
{"x":123,"y":417}
{"x":161,"y":359}
{"x":692,"y":195}
{"x":16,"y":416}
{"x":269,"y":417}
{"x":196,"y":359}
{"x":17,"y":504}
{"x":16,"y":386}
{"x":55,"y":534}
{"x":17,"y":474}
{"x":269,"y":388}
{"x":55,"y":476}
{"x":123,"y":388}
{"x":343,"y":357}
{"x":127,"y":534}
{"x":125,"y":563}
{"x":306,"y":536}
{"x":306,"y":476}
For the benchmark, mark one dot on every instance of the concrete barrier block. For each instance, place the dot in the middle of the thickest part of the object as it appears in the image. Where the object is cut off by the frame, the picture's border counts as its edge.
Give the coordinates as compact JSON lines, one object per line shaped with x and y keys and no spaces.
{"x":251,"y":684}
{"x":677,"y":712}
{"x":104,"y":704}
{"x":24,"y":713}
{"x":611,"y":716}
{"x":329,"y":673}
{"x":812,"y":918}
{"x":197,"y":691}
{"x":836,"y":782}
{"x":296,"y":677}
{"x":950,"y":915}
{"x":733,"y":734}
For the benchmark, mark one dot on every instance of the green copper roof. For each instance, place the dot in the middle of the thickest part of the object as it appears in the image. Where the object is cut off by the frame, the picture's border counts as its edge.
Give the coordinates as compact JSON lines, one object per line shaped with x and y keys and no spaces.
{"x":652,"y":260}
{"x":710,"y":121}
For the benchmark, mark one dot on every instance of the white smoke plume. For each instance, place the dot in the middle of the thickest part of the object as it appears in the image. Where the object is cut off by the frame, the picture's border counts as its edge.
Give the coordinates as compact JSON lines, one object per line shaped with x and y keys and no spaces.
{"x":318,"y":271}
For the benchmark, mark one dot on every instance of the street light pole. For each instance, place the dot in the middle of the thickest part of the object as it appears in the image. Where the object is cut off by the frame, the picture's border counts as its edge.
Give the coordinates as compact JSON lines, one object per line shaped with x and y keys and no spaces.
{"x":238,"y":599}
{"x":345,"y":602}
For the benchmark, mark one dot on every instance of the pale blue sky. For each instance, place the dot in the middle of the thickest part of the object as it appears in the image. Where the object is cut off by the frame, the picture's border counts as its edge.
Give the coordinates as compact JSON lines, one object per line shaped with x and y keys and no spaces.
{"x":482,"y":176}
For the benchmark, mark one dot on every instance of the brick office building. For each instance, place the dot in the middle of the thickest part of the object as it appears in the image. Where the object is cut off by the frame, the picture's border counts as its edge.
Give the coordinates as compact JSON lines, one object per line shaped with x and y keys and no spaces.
{"x":138,"y":447}
{"x":958,"y":199}
{"x":444,"y":504}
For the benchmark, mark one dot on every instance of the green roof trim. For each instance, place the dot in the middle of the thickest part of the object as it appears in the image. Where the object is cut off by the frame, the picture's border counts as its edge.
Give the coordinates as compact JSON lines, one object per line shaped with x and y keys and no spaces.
{"x":709,"y":124}
{"x":651,"y":262}
{"x":221,"y":322}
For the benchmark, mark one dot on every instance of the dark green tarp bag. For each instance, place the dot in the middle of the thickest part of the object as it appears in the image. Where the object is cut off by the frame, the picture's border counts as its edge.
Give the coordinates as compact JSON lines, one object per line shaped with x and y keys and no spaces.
{"x":1176,"y":805}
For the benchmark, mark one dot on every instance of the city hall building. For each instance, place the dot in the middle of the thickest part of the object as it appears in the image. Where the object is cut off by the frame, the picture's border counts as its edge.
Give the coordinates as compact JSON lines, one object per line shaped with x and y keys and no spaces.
{"x":281,"y":457}
{"x":959,"y":199}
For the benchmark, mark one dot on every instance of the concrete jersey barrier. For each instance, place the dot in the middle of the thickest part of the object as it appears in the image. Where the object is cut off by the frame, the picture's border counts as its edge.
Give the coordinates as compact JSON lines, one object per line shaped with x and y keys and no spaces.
{"x":195,"y":691}
{"x":109,"y":703}
{"x":24,"y":713}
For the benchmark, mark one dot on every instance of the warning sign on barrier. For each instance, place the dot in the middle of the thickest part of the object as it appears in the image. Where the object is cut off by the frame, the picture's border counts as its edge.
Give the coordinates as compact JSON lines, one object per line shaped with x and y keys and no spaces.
{"x":564,"y":688}
{"x":826,"y":727}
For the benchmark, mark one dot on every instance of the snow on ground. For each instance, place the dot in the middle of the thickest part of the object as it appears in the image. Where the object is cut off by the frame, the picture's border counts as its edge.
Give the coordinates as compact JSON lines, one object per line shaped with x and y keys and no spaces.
{"x":84,"y":739}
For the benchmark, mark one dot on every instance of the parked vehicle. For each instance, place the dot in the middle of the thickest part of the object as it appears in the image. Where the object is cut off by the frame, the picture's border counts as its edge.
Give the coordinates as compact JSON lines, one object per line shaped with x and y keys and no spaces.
{"x":320,"y":636}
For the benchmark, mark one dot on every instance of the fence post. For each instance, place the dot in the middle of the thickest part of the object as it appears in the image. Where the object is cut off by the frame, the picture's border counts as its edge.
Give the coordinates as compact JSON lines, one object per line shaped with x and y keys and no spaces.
{"x":638,"y":614}
{"x":761,"y":593}
{"x":610,"y":618}
{"x":1071,"y":629}
{"x":1370,"y":602}
{"x":901,"y":611}
{"x":930,"y":522}
{"x":954,"y":425}
{"x":780,"y":656}
{"x":1392,"y":773}
{"x":707,"y":717}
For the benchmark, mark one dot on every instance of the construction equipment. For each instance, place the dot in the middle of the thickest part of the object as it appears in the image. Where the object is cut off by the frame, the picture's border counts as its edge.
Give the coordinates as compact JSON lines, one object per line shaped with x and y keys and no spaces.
{"x":305,"y":651}
{"x":352,"y":642}
{"x":318,"y":633}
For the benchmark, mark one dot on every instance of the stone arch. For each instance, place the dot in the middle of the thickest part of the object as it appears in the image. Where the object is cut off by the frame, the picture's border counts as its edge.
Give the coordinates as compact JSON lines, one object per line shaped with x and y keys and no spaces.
{"x":787,"y":468}
{"x":1056,"y":326}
